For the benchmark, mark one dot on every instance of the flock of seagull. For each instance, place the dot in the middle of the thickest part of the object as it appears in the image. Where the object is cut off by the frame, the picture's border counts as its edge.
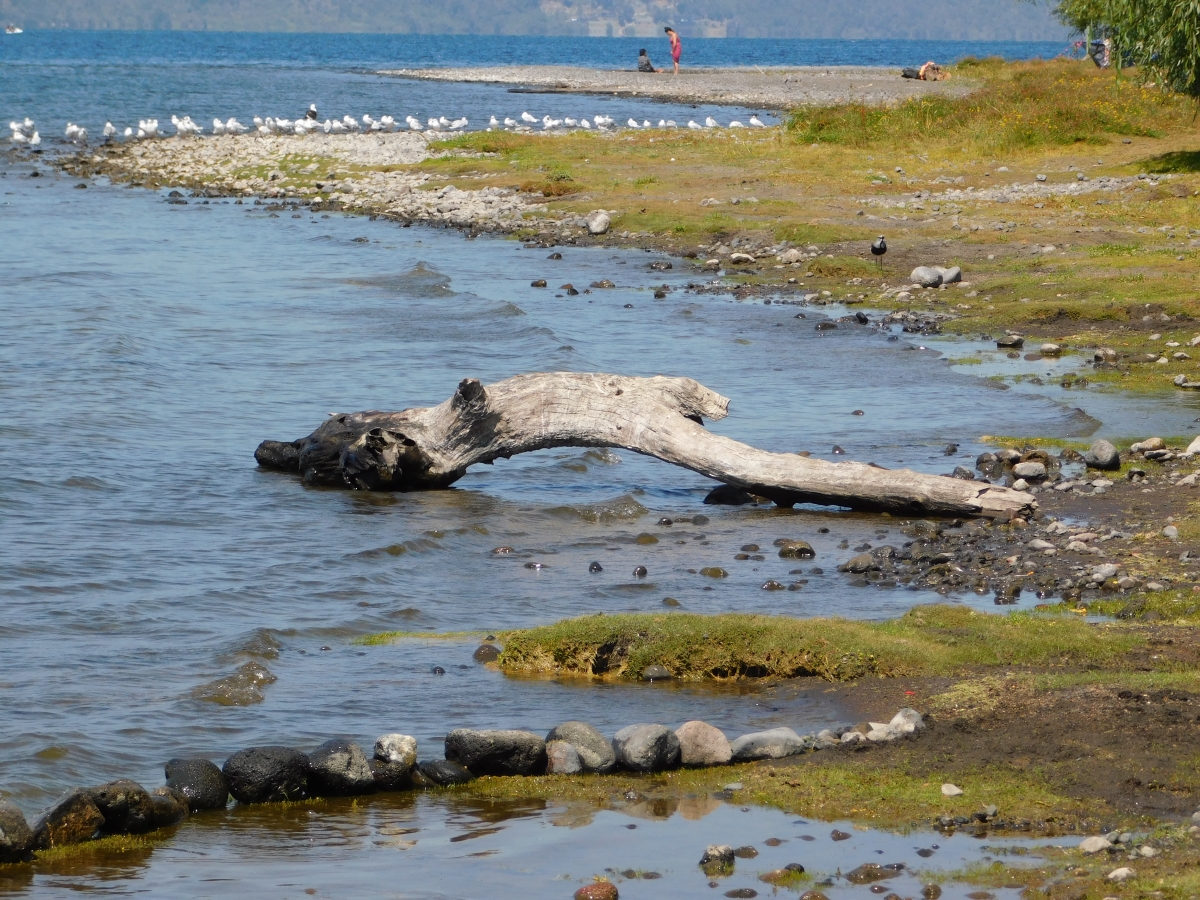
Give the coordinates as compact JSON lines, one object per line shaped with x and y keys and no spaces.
{"x":24,"y":133}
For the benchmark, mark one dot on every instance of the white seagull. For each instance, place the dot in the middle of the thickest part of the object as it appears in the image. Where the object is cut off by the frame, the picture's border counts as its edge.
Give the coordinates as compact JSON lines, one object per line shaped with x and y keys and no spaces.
{"x":526,"y":117}
{"x":710,"y":122}
{"x":692,"y":124}
{"x":110,"y":130}
{"x":756,"y":122}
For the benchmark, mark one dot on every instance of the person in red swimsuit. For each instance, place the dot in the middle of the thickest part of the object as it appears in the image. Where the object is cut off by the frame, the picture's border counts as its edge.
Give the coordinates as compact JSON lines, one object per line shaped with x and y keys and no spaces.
{"x":676,"y":46}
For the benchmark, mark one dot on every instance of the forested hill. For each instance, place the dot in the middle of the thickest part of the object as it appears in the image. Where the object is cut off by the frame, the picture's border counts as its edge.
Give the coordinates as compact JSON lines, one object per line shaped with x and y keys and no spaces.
{"x":894,"y":19}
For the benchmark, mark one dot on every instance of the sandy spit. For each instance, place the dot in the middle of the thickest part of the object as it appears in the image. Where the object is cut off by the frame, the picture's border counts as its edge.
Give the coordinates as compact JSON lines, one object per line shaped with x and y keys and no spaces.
{"x":773,"y":89}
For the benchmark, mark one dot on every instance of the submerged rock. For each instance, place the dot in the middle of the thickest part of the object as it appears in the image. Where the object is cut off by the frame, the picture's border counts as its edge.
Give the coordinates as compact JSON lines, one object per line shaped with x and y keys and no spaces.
{"x":16,"y":837}
{"x":73,"y":819}
{"x":170,"y":806}
{"x":700,"y":744}
{"x":497,"y":752}
{"x":797,"y":550}
{"x":126,"y":807}
{"x":646,"y":748}
{"x":727,"y":495}
{"x":200,"y":781}
{"x":267,"y":775}
{"x":339,"y":768}
{"x":595,"y":751}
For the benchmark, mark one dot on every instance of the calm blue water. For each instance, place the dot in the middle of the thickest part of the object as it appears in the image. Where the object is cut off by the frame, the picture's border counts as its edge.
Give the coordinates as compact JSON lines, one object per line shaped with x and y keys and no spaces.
{"x":90,"y":77}
{"x":147,"y":348}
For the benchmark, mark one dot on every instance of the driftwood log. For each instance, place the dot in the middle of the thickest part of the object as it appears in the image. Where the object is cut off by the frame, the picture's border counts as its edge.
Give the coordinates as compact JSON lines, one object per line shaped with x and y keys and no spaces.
{"x":431,"y":448}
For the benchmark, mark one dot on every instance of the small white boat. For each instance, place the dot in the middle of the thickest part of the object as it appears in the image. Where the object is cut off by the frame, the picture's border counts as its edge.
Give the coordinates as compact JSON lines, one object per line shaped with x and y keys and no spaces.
{"x":13,"y":29}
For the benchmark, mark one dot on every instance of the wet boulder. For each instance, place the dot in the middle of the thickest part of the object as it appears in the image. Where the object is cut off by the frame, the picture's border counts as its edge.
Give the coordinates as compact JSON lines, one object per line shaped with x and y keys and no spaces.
{"x":728,"y":495}
{"x":74,"y":819}
{"x":776,"y":743}
{"x":1102,"y":455}
{"x":595,"y":751}
{"x":444,"y":772}
{"x":394,"y":761}
{"x":796,"y":550}
{"x":700,"y":744}
{"x":562,"y":759}
{"x":597,"y":890}
{"x":717,"y":859}
{"x":200,"y":781}
{"x":16,"y":837}
{"x":497,"y":752}
{"x":864,"y":562}
{"x":126,"y":807}
{"x":1030,"y":471}
{"x":168,"y":807}
{"x":267,"y":775}
{"x":339,"y":768}
{"x":646,"y":748}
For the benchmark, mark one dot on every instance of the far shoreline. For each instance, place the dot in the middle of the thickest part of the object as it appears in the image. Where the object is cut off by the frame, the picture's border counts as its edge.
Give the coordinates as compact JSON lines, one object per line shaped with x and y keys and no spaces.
{"x":774,"y":88}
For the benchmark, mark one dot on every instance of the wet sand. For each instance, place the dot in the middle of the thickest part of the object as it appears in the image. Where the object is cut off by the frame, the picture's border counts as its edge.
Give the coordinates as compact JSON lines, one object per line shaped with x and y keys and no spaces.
{"x":762,"y":88}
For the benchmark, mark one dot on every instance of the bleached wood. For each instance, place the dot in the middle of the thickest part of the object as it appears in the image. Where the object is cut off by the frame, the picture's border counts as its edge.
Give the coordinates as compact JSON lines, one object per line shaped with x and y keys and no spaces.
{"x":431,"y":448}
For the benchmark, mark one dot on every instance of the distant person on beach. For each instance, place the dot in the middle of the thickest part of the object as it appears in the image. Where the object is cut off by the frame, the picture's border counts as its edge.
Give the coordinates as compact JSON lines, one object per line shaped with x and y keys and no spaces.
{"x":644,"y":64}
{"x":931,"y":71}
{"x":676,"y":46}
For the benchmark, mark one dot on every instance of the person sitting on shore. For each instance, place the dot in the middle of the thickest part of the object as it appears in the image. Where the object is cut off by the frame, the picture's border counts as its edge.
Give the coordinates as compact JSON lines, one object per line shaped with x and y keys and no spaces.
{"x":931,"y":71}
{"x":644,"y":64}
{"x":676,"y":46}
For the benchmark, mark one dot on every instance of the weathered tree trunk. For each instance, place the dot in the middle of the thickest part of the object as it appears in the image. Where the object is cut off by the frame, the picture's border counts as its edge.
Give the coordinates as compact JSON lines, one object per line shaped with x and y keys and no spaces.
{"x":426,"y":449}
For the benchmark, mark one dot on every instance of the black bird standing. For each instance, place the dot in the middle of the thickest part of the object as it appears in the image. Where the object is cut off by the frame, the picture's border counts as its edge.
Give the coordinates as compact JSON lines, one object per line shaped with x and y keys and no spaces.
{"x":878,"y":249}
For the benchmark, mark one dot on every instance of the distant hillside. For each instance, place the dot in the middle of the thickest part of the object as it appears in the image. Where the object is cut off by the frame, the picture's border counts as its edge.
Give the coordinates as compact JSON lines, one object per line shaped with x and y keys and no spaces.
{"x":914,"y":19}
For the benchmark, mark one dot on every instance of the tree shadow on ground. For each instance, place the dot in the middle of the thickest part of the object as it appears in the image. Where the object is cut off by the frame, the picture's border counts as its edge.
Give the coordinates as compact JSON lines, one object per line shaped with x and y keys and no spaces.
{"x":1176,"y":161}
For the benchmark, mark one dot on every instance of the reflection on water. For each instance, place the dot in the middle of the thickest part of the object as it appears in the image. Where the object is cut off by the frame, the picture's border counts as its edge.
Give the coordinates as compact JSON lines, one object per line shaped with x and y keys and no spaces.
{"x":442,"y":845}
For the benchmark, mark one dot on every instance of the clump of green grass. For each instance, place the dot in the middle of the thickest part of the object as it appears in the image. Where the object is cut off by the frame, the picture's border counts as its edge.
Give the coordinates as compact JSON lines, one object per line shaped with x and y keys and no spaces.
{"x":1034,"y":104}
{"x":927,"y":640}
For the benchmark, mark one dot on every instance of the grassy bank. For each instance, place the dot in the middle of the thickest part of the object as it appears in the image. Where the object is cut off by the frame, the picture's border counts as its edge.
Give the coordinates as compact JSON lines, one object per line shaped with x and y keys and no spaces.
{"x":928,"y":640}
{"x":836,"y":177}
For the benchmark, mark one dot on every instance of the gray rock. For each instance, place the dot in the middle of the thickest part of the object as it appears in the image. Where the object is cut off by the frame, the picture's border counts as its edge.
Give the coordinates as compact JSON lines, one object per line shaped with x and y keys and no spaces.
{"x":399,"y":749}
{"x":826,"y":738}
{"x":963,"y":472}
{"x":741,"y":258}
{"x":926,"y":276}
{"x":1050,"y":350}
{"x":267,"y":775}
{"x":1010,"y":341}
{"x":1030,"y":471}
{"x":126,"y":807}
{"x":656,"y":673}
{"x":598,"y":223}
{"x":74,"y":819}
{"x":717,"y":859}
{"x":445,"y":772}
{"x":1020,"y":485}
{"x":339,"y":768}
{"x":594,"y":749}
{"x":646,"y":748}
{"x":16,"y":837}
{"x":907,"y":721}
{"x":797,"y":550}
{"x":1102,"y":455}
{"x":562,"y":759}
{"x":864,"y":562}
{"x":950,"y":274}
{"x":200,"y":781}
{"x":775,"y":743}
{"x":1171,"y":533}
{"x":170,"y":806}
{"x":700,"y":744}
{"x":1094,"y":844}
{"x":497,"y":752}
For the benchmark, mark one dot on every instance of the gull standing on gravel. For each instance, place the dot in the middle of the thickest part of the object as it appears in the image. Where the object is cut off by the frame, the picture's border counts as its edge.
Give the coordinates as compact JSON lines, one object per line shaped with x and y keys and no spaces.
{"x":757,"y":122}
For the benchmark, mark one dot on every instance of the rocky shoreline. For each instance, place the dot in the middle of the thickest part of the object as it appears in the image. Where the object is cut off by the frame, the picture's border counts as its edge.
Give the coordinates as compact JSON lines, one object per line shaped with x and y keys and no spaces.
{"x":778,"y":88}
{"x":340,"y":768}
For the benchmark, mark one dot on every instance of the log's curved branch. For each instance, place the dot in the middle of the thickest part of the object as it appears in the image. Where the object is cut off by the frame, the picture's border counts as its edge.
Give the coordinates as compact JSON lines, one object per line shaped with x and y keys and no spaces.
{"x":431,"y":448}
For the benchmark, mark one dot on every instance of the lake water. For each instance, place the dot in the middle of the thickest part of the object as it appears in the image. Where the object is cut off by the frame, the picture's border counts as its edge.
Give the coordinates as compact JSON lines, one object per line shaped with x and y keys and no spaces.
{"x":147,"y":349}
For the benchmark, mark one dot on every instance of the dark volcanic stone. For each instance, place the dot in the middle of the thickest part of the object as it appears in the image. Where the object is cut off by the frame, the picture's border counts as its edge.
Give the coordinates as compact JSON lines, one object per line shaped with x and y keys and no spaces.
{"x":339,"y":768}
{"x":126,"y":807}
{"x":16,"y":837}
{"x":445,"y":772}
{"x":726,"y":495}
{"x":390,"y":776}
{"x":72,"y":820}
{"x":200,"y":781}
{"x":497,"y":752}
{"x":267,"y":775}
{"x":486,"y":653}
{"x":169,"y":806}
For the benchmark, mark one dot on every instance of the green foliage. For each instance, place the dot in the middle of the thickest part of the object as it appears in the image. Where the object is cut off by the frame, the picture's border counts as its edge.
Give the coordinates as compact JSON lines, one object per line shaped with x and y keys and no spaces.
{"x":926,"y":640}
{"x":1160,"y":36}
